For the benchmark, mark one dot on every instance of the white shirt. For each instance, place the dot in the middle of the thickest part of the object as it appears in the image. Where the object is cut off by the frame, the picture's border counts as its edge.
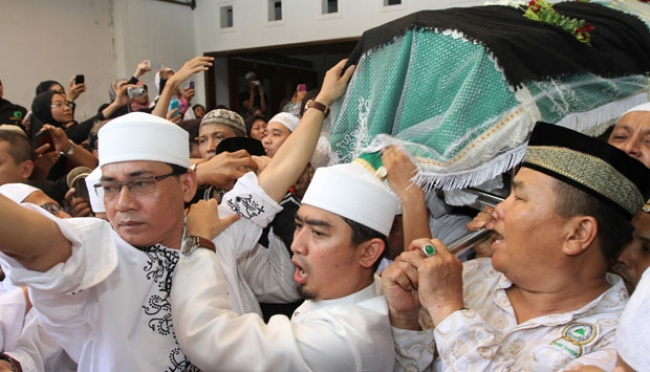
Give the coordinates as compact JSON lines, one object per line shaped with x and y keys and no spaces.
{"x":487,"y":337}
{"x":633,"y":338}
{"x":12,"y":317}
{"x":346,"y":334}
{"x":108,"y":304}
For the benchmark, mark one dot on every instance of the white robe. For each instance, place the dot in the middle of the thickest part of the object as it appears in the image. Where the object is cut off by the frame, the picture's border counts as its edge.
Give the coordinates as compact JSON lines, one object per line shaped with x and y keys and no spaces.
{"x":347,"y":334}
{"x":108,"y":304}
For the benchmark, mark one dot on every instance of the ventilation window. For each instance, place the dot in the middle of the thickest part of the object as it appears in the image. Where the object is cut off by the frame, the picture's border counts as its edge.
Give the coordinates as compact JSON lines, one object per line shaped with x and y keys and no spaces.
{"x":330,"y":6}
{"x":226,"y":16}
{"x":275,"y":10}
{"x":392,"y":2}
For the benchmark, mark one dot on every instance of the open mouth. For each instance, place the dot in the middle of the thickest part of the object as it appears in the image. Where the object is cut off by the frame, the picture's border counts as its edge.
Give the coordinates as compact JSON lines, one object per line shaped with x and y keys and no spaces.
{"x":300,"y":276}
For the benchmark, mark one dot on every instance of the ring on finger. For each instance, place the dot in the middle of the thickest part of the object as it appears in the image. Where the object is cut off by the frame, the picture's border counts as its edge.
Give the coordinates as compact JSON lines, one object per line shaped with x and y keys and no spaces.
{"x":429,"y":250}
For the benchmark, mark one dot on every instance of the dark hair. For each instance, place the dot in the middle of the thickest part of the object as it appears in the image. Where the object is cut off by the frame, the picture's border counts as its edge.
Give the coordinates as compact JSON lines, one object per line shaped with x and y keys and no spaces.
{"x":93,"y":135}
{"x":20,"y":149}
{"x":310,"y":95}
{"x":249,"y":122}
{"x":46,"y":85}
{"x":177,"y":169}
{"x":191,"y":126}
{"x":614,"y":230}
{"x":362,"y":233}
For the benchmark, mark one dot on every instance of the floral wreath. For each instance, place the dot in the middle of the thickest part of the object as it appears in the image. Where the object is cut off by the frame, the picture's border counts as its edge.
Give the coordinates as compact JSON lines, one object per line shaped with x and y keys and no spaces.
{"x":540,"y":10}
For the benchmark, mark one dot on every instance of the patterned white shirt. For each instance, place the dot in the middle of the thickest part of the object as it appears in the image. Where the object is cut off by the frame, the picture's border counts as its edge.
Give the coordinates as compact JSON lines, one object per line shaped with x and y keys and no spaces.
{"x":486,"y":337}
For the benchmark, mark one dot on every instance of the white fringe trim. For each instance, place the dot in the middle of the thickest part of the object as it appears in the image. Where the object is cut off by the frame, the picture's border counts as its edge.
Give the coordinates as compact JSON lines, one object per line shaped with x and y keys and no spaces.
{"x":595,"y":122}
{"x":468,"y":178}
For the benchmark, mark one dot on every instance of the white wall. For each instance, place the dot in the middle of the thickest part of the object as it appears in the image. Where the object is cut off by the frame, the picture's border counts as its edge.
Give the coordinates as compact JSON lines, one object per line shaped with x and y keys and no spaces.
{"x":54,"y":40}
{"x":302,"y":21}
{"x":103,"y":39}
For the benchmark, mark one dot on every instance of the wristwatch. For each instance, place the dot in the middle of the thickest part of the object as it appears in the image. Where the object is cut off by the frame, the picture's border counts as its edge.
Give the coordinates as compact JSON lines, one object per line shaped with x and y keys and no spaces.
{"x":192,"y":242}
{"x":318,"y":106}
{"x":71,"y":150}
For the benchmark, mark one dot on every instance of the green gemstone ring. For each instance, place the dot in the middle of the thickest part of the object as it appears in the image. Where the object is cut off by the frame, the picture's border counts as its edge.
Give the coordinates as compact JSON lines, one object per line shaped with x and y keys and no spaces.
{"x":429,"y":250}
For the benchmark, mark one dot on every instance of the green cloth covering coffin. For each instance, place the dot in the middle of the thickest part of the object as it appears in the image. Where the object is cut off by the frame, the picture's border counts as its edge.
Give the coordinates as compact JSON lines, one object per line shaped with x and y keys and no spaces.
{"x":462,"y":88}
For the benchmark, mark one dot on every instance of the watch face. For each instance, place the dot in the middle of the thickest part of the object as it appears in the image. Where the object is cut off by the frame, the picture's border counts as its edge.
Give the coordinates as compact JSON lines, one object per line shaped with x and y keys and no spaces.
{"x":188,"y":246}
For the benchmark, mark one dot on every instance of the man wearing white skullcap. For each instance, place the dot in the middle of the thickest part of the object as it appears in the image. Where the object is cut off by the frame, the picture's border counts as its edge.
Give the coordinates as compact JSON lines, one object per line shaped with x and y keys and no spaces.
{"x":278,"y":129}
{"x":102,"y":291}
{"x":340,"y":235}
{"x":632,"y":133}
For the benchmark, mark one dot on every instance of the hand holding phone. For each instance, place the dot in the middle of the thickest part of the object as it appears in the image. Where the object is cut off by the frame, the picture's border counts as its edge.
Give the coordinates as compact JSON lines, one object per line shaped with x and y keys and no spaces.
{"x":44,"y":137}
{"x":79,"y":79}
{"x":175,"y":104}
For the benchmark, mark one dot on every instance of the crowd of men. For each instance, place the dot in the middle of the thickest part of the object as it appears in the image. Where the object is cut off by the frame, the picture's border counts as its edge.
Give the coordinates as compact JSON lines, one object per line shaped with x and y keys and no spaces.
{"x":190,"y":250}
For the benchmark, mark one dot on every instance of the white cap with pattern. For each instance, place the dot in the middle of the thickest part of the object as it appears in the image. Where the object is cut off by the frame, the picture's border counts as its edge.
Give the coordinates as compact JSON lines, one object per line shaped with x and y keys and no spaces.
{"x":140,"y":136}
{"x":288,"y":120}
{"x":351,"y":191}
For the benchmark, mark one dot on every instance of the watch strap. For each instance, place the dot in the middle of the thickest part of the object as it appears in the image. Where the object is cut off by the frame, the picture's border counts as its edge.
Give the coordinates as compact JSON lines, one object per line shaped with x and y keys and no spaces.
{"x":204,"y":243}
{"x":71,"y":150}
{"x":318,"y":106}
{"x":192,"y":242}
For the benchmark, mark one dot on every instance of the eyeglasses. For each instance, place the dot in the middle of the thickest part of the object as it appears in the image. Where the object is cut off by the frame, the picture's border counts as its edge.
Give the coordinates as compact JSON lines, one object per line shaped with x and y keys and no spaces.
{"x":59,"y":104}
{"x":137,"y":186}
{"x":52,"y":208}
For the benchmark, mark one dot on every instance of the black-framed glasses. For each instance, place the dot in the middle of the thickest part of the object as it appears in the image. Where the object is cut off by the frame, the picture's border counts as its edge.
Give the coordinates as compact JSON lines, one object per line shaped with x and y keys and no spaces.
{"x":137,"y":185}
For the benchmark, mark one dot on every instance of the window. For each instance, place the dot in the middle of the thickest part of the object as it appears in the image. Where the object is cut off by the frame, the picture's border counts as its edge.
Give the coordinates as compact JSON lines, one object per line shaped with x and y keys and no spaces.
{"x":275,"y":10}
{"x":226,"y":16}
{"x":392,"y":2}
{"x":330,"y":6}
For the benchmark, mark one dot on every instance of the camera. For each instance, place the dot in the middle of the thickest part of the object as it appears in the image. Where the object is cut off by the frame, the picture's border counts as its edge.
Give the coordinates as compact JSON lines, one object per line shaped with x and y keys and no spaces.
{"x":255,"y":82}
{"x":135,"y":92}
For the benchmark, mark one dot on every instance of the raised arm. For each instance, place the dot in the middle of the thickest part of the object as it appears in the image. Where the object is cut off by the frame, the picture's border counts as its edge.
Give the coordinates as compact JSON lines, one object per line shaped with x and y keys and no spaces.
{"x":292,"y":158}
{"x":30,"y":238}
{"x":191,"y":67}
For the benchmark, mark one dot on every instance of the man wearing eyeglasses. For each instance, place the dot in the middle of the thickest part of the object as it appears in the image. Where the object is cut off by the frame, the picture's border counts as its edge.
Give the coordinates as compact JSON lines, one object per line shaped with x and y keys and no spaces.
{"x":103,"y":294}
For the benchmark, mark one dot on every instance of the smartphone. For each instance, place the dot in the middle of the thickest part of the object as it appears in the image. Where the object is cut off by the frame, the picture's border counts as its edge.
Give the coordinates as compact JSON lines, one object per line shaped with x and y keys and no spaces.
{"x":302,"y":87}
{"x":175,"y":104}
{"x":135,"y":92}
{"x":45,"y":137}
{"x":256,"y":82}
{"x":190,"y":84}
{"x":79,"y":79}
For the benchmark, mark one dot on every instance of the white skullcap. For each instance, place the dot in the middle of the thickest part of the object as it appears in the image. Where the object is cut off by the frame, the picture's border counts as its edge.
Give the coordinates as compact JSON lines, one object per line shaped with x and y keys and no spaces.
{"x":250,"y":75}
{"x":95,"y":195}
{"x":632,"y":342}
{"x":350,"y":191}
{"x":17,"y":191}
{"x":141,"y":136}
{"x":288,"y":120}
{"x":641,"y":107}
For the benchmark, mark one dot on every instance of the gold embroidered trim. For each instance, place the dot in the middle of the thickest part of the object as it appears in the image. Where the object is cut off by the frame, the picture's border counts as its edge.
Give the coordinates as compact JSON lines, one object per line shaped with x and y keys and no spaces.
{"x":590,"y":171}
